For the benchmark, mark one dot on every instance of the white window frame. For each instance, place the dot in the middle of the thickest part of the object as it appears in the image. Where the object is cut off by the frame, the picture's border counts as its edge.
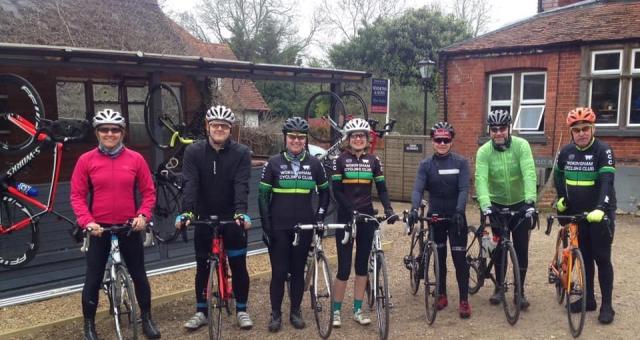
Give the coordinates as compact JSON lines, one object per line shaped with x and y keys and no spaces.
{"x":619,"y":98}
{"x":633,"y":60}
{"x":529,"y":130}
{"x":634,"y":72}
{"x":611,"y":71}
{"x":531,"y":103}
{"x":629,"y":103}
{"x":508,"y":103}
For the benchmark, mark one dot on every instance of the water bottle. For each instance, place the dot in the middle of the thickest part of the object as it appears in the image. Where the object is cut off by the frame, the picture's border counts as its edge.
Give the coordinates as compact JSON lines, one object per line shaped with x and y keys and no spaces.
{"x":486,"y":244}
{"x":27,"y":189}
{"x":494,"y":242}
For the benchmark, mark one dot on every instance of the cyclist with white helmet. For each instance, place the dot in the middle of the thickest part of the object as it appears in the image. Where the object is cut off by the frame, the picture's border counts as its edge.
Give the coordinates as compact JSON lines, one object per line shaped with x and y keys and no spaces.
{"x":110,"y":175}
{"x":216,"y":172}
{"x":353,"y":173}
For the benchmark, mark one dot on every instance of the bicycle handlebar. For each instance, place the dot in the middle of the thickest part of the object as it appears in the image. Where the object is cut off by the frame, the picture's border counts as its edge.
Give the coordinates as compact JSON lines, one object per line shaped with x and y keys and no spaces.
{"x":63,"y":131}
{"x":321,"y":227}
{"x":572,"y":219}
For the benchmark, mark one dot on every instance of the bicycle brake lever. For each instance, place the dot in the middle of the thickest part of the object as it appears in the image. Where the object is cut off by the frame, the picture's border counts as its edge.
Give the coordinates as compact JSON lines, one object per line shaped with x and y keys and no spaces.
{"x":549,"y":224}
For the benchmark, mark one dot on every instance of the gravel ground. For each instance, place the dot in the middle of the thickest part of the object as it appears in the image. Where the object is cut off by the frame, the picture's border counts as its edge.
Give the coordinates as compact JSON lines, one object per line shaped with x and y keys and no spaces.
{"x":545,"y":319}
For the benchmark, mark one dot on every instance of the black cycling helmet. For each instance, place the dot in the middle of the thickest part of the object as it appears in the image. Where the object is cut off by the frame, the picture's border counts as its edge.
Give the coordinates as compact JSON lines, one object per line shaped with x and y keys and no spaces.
{"x":499,"y":118}
{"x":443,"y":130}
{"x":295,"y":124}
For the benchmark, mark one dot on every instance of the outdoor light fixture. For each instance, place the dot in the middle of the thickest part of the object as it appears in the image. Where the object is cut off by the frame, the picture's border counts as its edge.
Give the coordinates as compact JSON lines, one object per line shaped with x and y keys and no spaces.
{"x":426,"y":67}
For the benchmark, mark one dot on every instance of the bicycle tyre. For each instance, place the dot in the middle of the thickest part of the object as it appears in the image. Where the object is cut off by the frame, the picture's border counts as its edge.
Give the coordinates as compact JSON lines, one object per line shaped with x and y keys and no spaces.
{"x":417,"y":239}
{"x":511,"y":310}
{"x":346,"y":116}
{"x":168,"y":205}
{"x":125,"y":307}
{"x":382,"y":296}
{"x":17,"y":139}
{"x":308,"y":114}
{"x":152,"y":123}
{"x":19,"y":247}
{"x":322,"y":297}
{"x":475,"y":262}
{"x":431,"y":282}
{"x":577,"y":292}
{"x":214,"y":303}
{"x":560,"y":292}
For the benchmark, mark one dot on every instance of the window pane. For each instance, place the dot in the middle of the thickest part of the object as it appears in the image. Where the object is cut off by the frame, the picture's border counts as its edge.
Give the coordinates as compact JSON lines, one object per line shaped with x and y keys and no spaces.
{"x":533,"y":86}
{"x":607,"y":61}
{"x":529,"y":117}
{"x":137,"y":130}
{"x":636,"y":62}
{"x":501,"y":88}
{"x":105,"y":93}
{"x":604,"y":100}
{"x":634,"y":117}
{"x":71,"y":100}
{"x":136,"y":94}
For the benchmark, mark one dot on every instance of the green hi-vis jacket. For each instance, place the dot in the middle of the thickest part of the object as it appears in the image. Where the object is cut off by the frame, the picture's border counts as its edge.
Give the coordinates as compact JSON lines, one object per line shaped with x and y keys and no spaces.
{"x":505,"y":177}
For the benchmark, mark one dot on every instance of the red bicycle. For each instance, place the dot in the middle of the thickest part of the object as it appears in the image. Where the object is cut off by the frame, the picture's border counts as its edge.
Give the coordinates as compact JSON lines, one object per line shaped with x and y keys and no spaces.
{"x":219,"y":292}
{"x":18,"y":224}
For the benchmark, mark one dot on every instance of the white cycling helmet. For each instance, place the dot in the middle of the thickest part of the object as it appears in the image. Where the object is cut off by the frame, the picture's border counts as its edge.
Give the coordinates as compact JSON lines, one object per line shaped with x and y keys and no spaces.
{"x":108,"y":116}
{"x":357,"y":125}
{"x":220,"y":112}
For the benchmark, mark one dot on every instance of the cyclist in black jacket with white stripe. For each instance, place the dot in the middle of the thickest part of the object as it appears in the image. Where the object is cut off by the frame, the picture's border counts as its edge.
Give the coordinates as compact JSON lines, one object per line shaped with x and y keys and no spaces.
{"x":216,"y":172}
{"x":288,"y":181}
{"x":445,"y":176}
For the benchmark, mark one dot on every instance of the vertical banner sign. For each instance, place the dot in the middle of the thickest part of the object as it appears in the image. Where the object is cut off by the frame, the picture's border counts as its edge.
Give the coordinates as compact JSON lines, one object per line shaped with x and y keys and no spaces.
{"x":380,"y":95}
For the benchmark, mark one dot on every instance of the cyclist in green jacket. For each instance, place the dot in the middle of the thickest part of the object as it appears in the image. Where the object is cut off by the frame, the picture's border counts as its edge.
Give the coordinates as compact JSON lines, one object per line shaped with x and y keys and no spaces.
{"x":506,"y":178}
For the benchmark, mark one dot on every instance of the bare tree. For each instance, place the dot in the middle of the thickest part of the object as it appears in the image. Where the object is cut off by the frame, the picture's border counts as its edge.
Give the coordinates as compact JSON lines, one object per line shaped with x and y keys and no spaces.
{"x":347,"y":16}
{"x":475,"y":13}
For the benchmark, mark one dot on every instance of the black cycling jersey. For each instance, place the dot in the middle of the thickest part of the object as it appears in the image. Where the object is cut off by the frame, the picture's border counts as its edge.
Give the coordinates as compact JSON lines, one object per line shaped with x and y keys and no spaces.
{"x":285,"y":193}
{"x":352,"y":180}
{"x":225,"y":175}
{"x":584,"y":177}
{"x":446,"y":178}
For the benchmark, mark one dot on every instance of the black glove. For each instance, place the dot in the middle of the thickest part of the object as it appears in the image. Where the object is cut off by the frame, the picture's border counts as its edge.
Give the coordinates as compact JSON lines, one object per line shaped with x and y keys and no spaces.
{"x":388,"y":213}
{"x":320,"y":216}
{"x":528,"y":209}
{"x":413,"y":217}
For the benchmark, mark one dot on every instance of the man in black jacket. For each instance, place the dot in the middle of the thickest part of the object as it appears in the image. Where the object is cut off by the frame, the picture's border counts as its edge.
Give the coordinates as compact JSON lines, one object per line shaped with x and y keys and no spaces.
{"x":216,"y":172}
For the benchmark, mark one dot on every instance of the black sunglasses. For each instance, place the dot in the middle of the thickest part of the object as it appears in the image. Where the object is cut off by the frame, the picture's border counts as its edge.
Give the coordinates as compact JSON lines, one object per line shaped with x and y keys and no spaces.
{"x":113,"y":130}
{"x":496,"y":129}
{"x":442,"y":141}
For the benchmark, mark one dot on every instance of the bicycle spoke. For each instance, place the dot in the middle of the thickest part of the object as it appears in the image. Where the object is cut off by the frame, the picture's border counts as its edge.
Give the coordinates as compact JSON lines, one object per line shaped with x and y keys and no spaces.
{"x":20,"y":246}
{"x":510,"y":285}
{"x":322,"y":296}
{"x":161,"y":125}
{"x":382,"y":297}
{"x":124,"y":305}
{"x":214,"y":303}
{"x":475,"y":261}
{"x":431,"y":282}
{"x":576,"y":292}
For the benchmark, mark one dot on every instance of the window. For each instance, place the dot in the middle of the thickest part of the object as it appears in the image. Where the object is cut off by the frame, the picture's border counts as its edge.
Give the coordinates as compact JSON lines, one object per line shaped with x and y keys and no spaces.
{"x":523,"y":94}
{"x":106,"y":96}
{"x":71,"y":100}
{"x":135,"y":105}
{"x":606,"y":62}
{"x":634,"y":90}
{"x":605,"y":85}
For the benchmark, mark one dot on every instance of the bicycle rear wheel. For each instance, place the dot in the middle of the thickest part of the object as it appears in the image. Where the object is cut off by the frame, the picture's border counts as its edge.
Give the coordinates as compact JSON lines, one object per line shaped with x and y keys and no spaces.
{"x":381,"y":295}
{"x":20,"y":246}
{"x":576,"y":293}
{"x":354,"y":107}
{"x":214,"y":302}
{"x":321,"y":294}
{"x":431,"y":282}
{"x":168,"y":205}
{"x":411,"y":261}
{"x":475,"y":261}
{"x":23,"y":99}
{"x":511,"y":284}
{"x":125,"y":307}
{"x":318,"y":107}
{"x":560,"y":292}
{"x":161,"y":127}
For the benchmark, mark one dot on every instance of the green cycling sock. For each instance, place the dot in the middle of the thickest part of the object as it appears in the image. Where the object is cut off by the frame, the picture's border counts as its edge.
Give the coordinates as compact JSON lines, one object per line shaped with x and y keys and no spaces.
{"x":337,"y":306}
{"x":357,"y":304}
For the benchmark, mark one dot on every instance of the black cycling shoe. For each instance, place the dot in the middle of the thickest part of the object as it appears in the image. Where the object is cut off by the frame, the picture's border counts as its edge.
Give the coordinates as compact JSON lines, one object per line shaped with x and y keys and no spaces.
{"x":524,"y":303}
{"x":606,"y":314}
{"x":576,"y":306}
{"x":149,"y":328}
{"x":90,"y":330}
{"x":496,"y":298}
{"x":296,"y":319}
{"x":276,"y":322}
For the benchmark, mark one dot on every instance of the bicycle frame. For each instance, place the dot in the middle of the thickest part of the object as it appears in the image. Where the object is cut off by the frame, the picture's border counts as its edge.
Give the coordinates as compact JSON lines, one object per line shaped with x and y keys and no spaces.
{"x":570,"y":242}
{"x":219,"y":258}
{"x":44,"y":141}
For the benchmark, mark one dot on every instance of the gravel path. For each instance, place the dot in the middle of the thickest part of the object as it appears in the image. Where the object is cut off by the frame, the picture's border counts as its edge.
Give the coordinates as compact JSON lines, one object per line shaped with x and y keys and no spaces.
{"x":545,"y":319}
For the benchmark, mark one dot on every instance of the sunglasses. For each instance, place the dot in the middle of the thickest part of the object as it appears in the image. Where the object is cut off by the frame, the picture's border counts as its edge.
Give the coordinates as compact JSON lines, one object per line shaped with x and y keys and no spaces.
{"x":442,"y":141}
{"x":298,"y":136}
{"x":113,"y":130}
{"x":220,"y":126}
{"x":358,"y":136}
{"x":496,"y":129}
{"x":579,"y":129}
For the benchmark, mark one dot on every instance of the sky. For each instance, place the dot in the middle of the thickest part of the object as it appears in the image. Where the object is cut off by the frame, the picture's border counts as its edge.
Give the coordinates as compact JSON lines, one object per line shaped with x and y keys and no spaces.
{"x":503,"y":12}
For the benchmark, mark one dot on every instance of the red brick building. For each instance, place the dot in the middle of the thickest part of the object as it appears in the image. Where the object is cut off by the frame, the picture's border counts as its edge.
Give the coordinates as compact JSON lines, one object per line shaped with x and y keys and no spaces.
{"x":572,"y":53}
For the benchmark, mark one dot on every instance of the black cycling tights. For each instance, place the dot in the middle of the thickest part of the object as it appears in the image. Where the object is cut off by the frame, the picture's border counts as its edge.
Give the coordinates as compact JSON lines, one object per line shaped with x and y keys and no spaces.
{"x":285,"y":259}
{"x":595,"y":244}
{"x":364,"y":238}
{"x":458,"y":242}
{"x":234,"y":238}
{"x":520,"y":239}
{"x":133,"y":254}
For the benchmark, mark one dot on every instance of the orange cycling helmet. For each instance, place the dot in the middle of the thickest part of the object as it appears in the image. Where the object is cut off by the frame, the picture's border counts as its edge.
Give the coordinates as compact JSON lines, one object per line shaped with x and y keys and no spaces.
{"x":581,"y":114}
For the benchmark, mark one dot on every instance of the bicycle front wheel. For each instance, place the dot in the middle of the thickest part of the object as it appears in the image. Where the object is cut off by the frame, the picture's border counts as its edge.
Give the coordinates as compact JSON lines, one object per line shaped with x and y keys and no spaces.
{"x":168,"y":205}
{"x":320,"y":104}
{"x":411,"y":261}
{"x":475,"y":261}
{"x":214,"y":303}
{"x":431,"y":281}
{"x":560,"y":292}
{"x":24,"y":100}
{"x":576,"y":293}
{"x":511,"y":284}
{"x":322,"y":295}
{"x":21,"y":245}
{"x":381,"y":296}
{"x":125,"y":307}
{"x":162,"y":126}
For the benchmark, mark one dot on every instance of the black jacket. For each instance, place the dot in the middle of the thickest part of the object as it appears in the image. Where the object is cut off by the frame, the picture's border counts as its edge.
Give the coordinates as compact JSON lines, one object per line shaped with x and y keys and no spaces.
{"x":447,"y":181}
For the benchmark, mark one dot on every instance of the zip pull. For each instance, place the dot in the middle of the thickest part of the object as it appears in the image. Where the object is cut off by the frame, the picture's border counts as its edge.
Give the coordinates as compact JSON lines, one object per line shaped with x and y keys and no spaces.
{"x":214,"y":168}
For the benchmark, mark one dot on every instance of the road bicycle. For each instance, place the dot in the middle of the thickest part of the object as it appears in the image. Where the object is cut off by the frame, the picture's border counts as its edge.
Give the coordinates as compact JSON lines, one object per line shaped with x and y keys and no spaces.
{"x":318,"y":279}
{"x":377,"y":286}
{"x":566,"y":270}
{"x":336,"y":108}
{"x":117,"y":284}
{"x":427,"y":260}
{"x":19,"y":231}
{"x":219,"y":292}
{"x":479,"y":270}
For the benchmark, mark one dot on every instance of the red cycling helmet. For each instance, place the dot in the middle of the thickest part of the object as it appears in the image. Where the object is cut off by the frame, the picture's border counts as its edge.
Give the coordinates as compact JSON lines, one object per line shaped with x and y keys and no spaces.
{"x":581,"y":114}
